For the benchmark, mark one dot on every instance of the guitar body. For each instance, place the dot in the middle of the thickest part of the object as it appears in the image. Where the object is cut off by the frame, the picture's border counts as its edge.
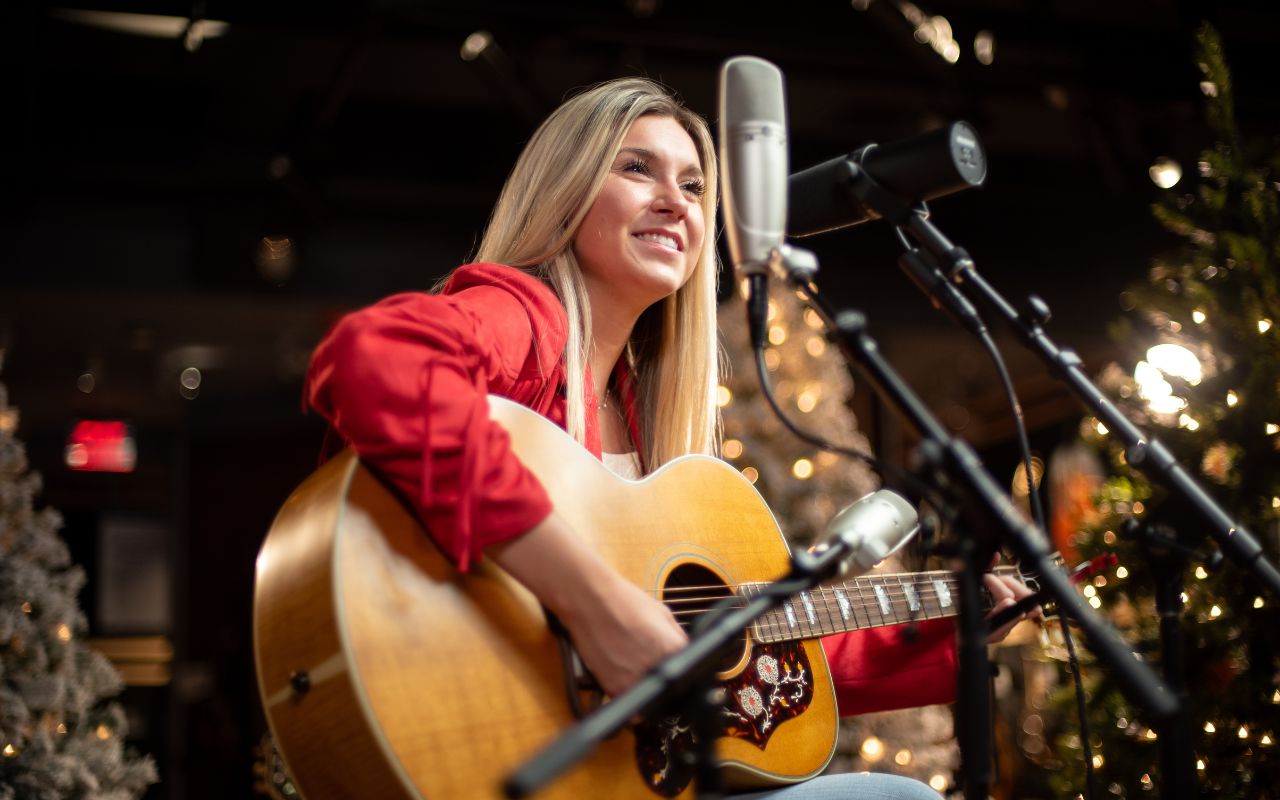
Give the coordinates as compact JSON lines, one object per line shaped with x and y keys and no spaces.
{"x":385,"y":673}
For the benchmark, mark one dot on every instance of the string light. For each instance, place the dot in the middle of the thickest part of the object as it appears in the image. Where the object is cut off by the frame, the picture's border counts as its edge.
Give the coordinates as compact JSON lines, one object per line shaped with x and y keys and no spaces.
{"x":773,"y":311}
{"x":872,"y":749}
{"x":807,"y":401}
{"x":1198,"y":317}
{"x":802,"y":469}
{"x":723,"y":396}
{"x":1150,"y":735}
{"x":1272,"y":428}
{"x":474,"y":45}
{"x":1185,"y":421}
{"x":1265,"y":741}
{"x":815,"y":346}
{"x":1165,"y":172}
{"x":1264,"y":325}
{"x":26,"y":607}
{"x":64,"y":632}
{"x":1200,"y":764}
{"x":102,"y":732}
{"x":1201,"y":574}
{"x":1233,"y":399}
{"x":937,"y":782}
{"x":1096,"y":602}
{"x":1243,"y":733}
{"x":751,"y":474}
{"x":1098,"y":761}
{"x":1215,"y":612}
{"x":777,"y":334}
{"x":984,"y":47}
{"x":902,"y":758}
{"x":1209,"y":728}
{"x":1275,"y":698}
{"x":1122,"y":572}
{"x":812,"y":319}
{"x":1089,"y":591}
{"x":1257,"y":602}
{"x":732,"y":448}
{"x":1109,"y":537}
{"x":772,"y":359}
{"x":10,"y":751}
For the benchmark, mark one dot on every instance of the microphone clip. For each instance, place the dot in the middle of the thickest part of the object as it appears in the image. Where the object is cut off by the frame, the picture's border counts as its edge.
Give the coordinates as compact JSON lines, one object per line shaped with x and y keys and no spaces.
{"x":875,"y":198}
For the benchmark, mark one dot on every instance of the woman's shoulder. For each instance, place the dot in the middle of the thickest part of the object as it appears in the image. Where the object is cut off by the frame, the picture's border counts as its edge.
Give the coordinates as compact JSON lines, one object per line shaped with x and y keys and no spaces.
{"x":512,"y":307}
{"x":526,"y":288}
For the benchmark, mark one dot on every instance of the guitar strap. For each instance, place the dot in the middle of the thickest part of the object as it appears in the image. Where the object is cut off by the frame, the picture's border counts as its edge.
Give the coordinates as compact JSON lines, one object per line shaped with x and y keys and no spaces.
{"x":580,"y":686}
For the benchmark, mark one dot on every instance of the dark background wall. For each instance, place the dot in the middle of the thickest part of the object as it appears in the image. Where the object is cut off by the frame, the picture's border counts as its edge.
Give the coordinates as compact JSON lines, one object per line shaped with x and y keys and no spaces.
{"x":140,"y":176}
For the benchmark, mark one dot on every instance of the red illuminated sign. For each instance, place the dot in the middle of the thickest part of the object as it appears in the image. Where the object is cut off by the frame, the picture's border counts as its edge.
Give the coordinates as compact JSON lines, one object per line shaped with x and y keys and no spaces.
{"x":101,"y":446}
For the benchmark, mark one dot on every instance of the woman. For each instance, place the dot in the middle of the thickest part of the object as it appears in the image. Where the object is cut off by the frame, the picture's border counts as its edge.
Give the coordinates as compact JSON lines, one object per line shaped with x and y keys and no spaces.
{"x":594,"y":305}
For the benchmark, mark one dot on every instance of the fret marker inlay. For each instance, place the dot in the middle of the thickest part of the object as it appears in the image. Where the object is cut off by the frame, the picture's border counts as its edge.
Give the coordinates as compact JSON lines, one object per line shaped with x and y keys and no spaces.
{"x":808,"y":608}
{"x":944,"y":593}
{"x":913,"y":600}
{"x":791,"y":614}
{"x":886,"y":608}
{"x":843,"y":601}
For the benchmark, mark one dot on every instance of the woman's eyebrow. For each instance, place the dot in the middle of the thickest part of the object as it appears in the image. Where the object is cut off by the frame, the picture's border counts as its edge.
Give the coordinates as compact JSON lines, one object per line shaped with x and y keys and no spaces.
{"x":647,"y":154}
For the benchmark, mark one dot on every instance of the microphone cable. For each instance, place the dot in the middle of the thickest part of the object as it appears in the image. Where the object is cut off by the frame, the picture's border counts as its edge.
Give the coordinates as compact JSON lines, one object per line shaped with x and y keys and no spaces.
{"x":901,"y":476}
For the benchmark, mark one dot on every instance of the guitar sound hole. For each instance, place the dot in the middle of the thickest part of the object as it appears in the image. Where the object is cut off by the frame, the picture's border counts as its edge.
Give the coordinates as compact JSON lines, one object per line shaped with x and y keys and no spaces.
{"x":690,"y":590}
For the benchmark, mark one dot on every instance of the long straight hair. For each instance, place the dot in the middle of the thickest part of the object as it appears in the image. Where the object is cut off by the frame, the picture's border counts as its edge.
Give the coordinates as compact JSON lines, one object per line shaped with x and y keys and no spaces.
{"x":673,"y":351}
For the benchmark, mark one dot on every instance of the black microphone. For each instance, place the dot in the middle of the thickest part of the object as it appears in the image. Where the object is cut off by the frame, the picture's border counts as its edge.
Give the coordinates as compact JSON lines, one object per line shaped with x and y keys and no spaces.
{"x":837,"y":193}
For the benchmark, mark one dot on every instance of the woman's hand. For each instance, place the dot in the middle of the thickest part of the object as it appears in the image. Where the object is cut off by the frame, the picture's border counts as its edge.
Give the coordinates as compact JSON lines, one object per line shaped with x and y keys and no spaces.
{"x":1005,"y":590}
{"x":620,"y":631}
{"x":623,"y":635}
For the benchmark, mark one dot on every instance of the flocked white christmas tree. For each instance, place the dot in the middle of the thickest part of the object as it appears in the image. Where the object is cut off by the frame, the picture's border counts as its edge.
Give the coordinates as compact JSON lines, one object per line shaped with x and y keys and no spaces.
{"x":58,"y":737}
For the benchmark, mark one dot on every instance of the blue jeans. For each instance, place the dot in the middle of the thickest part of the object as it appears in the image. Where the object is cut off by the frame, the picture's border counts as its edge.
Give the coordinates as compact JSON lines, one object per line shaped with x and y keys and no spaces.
{"x":849,"y":786}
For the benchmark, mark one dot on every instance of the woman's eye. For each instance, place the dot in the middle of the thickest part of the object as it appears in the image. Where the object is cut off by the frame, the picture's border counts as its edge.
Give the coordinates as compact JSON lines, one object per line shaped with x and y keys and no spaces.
{"x":695,"y":188}
{"x":636,"y":166}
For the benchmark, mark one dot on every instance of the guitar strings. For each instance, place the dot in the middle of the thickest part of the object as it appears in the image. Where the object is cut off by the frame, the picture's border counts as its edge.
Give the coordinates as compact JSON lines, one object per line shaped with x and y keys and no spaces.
{"x":870,"y":581}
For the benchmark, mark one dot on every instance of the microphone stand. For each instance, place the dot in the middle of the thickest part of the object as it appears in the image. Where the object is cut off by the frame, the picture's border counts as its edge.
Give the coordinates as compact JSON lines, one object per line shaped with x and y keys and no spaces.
{"x":1168,"y":559}
{"x":684,"y":680}
{"x":951,"y":463}
{"x":1142,"y":451}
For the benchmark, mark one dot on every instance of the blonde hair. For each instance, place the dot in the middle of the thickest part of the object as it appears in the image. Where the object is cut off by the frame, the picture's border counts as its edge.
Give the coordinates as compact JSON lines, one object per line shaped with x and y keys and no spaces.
{"x":673,"y":349}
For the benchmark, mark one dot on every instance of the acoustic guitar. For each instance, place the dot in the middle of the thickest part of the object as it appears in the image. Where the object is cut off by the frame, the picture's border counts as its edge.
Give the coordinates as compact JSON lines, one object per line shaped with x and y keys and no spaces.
{"x":385,"y":673}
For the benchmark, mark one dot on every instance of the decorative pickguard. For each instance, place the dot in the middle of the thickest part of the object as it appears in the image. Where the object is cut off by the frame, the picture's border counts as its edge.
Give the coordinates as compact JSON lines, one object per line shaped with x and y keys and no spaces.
{"x":777,"y":685}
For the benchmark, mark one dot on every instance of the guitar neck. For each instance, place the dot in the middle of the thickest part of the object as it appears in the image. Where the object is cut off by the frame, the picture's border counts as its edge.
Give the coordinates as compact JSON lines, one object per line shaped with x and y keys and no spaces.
{"x":869,"y":601}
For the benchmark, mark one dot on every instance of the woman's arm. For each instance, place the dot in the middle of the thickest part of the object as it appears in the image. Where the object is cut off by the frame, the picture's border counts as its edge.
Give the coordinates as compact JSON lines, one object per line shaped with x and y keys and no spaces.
{"x":405,"y":382}
{"x":620,"y":631}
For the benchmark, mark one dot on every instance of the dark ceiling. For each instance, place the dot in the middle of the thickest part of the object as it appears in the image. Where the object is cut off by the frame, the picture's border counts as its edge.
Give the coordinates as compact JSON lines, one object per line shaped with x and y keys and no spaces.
{"x":142,"y":174}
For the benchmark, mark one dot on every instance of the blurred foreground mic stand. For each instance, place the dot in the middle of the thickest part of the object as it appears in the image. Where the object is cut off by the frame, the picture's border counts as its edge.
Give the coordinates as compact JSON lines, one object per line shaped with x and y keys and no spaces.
{"x":1168,"y":559}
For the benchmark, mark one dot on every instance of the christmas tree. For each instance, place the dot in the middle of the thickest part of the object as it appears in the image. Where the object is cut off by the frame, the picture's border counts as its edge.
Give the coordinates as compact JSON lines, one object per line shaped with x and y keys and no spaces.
{"x":805,"y":487}
{"x":1207,"y":384}
{"x":58,"y":739}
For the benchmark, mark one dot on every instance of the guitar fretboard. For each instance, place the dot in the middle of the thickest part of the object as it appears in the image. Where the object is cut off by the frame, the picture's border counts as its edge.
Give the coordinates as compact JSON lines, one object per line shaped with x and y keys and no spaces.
{"x":870,"y":601}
